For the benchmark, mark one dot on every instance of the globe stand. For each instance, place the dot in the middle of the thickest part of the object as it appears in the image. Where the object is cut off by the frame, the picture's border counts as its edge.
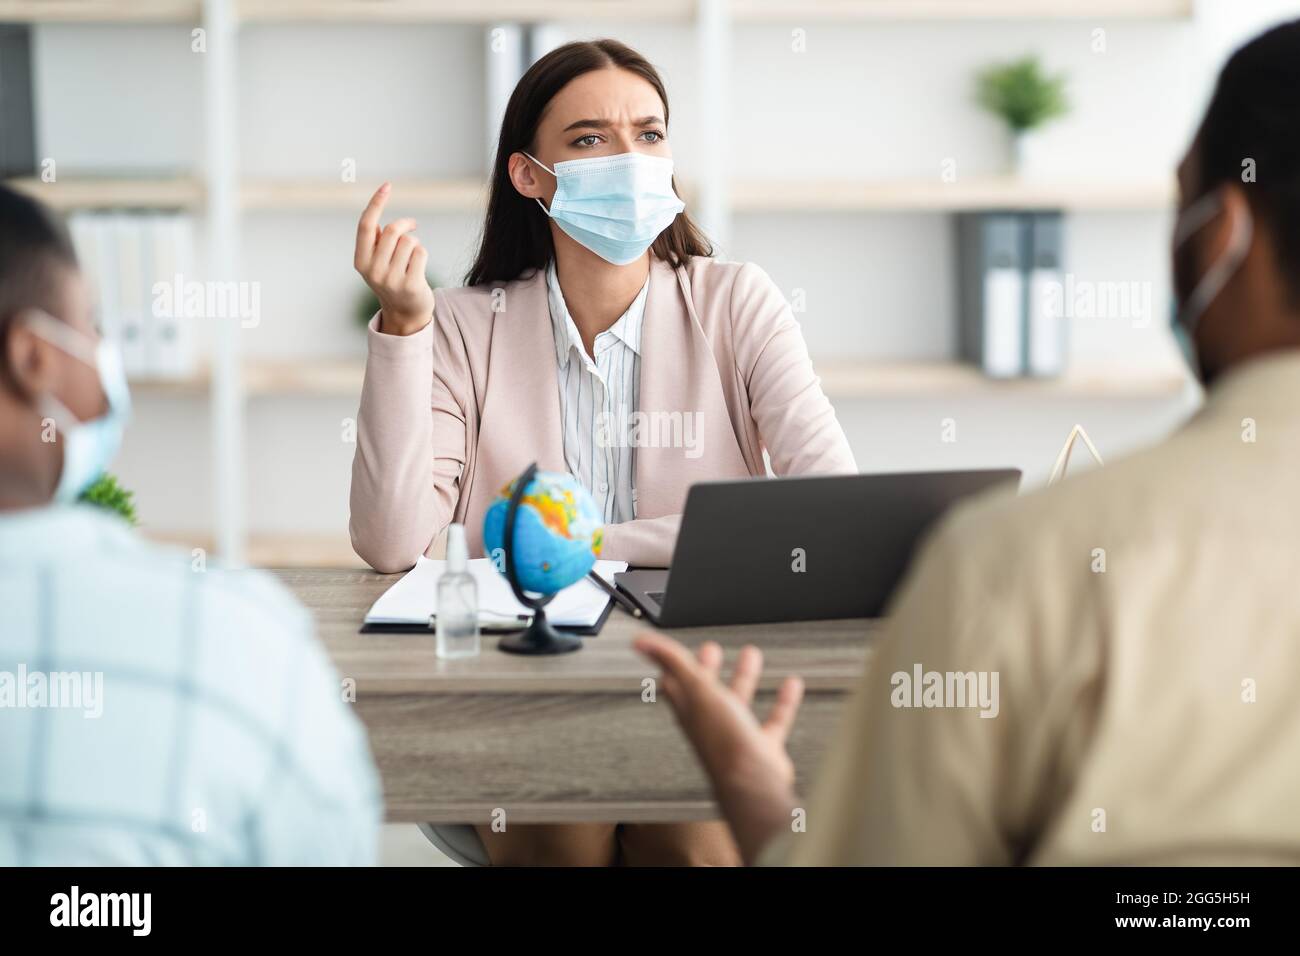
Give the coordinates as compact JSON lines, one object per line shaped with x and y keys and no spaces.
{"x":540,"y":637}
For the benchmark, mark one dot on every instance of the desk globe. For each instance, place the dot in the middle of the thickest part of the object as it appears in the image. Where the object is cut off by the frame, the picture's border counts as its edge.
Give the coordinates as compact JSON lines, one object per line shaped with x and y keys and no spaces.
{"x":546,"y":527}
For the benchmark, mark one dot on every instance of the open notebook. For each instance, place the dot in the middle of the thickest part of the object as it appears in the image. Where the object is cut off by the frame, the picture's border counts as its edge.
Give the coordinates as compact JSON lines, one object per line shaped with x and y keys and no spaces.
{"x":410,"y":603}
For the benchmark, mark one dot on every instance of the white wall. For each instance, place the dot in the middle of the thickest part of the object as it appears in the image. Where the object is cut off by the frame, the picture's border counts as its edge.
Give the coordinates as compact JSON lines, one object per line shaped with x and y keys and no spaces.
{"x":401,"y":101}
{"x":100,"y":104}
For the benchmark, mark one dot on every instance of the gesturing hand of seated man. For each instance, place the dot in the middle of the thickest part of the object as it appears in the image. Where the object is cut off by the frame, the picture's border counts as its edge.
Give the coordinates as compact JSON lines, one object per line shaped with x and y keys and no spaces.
{"x":746,"y":760}
{"x":392,"y":262}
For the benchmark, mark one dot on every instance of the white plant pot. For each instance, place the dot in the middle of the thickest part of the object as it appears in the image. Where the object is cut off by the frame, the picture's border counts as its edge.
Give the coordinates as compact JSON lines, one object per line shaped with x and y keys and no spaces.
{"x":1029,"y":157}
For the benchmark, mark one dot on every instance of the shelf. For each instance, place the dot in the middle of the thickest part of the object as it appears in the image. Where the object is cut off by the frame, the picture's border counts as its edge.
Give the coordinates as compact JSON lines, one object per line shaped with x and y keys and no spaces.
{"x":461,"y":11}
{"x":342,"y":378}
{"x":747,"y":195}
{"x":320,"y":377}
{"x":486,"y":11}
{"x":196,"y":384}
{"x":847,"y":10}
{"x":100,"y":11}
{"x":440,"y":194}
{"x":78,"y":192}
{"x":949,"y":379}
{"x":770,"y":195}
{"x":273,"y":550}
{"x":268,"y":550}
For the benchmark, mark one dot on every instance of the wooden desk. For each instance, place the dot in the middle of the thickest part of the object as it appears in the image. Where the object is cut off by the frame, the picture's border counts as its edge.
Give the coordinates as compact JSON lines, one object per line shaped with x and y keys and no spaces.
{"x":561,"y":739}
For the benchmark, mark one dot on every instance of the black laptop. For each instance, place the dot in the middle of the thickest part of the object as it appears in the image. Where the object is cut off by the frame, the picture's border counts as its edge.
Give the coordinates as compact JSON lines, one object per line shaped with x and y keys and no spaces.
{"x":797,"y":549}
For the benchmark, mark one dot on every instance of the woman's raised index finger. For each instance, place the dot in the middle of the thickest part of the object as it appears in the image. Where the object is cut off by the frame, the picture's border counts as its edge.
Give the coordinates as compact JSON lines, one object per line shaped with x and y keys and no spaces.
{"x":368,"y":227}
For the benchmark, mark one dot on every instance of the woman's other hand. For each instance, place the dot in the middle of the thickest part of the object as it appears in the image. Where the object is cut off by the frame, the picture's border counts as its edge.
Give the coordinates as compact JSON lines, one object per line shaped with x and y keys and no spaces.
{"x":393,"y":262}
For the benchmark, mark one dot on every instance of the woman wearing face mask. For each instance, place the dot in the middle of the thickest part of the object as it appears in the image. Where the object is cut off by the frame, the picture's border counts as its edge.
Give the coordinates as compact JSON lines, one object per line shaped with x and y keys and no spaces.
{"x":595,"y":335}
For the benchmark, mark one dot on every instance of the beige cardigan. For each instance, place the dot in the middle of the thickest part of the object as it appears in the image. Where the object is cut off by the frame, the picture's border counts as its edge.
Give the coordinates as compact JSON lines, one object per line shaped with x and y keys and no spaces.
{"x":450,"y":414}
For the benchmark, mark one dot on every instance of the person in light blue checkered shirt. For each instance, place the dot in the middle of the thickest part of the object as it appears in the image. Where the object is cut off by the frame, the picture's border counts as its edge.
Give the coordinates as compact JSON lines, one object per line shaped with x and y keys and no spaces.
{"x":152,"y":711}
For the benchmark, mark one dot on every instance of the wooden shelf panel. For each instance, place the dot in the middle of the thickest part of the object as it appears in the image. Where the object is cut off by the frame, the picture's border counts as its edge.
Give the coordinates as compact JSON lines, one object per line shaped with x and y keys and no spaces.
{"x":322,"y":377}
{"x":461,"y":11}
{"x":342,"y":378}
{"x":196,"y":384}
{"x":747,"y":195}
{"x":272,"y":549}
{"x":443,"y":194}
{"x":100,"y":11}
{"x":482,"y":11}
{"x":847,"y":10}
{"x":81,"y":192}
{"x":771,"y":195}
{"x":486,"y":11}
{"x":942,"y":379}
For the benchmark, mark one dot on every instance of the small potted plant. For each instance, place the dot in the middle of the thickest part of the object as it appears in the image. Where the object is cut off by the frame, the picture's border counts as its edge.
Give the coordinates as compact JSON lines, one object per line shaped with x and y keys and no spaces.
{"x":106,"y":493}
{"x":1026,"y":98}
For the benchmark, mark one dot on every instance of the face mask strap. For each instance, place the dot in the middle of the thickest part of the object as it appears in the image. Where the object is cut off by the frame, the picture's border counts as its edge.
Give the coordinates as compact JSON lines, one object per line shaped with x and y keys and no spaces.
{"x":60,"y":414}
{"x":549,"y":170}
{"x":540,"y":163}
{"x":68,"y":341}
{"x":60,"y":335}
{"x":1217,"y":276}
{"x":1196,"y":216}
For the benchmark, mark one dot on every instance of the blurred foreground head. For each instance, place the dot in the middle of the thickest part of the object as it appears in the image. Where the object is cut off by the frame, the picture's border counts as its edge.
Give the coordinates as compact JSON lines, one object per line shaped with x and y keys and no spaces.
{"x":1236,"y":254}
{"x":49,"y":380}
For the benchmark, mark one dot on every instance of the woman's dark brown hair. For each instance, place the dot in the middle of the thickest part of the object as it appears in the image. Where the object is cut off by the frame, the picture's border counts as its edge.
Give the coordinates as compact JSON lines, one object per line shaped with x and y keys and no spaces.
{"x":516,"y":233}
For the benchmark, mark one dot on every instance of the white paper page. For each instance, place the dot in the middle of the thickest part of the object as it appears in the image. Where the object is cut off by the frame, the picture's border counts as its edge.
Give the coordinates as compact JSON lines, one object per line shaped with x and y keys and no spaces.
{"x":415,"y":597}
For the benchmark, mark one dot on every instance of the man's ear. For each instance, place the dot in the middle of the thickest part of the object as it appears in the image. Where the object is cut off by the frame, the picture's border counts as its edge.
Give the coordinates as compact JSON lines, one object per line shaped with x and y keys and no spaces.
{"x":524,"y":177}
{"x":1236,"y":214}
{"x":29,"y":361}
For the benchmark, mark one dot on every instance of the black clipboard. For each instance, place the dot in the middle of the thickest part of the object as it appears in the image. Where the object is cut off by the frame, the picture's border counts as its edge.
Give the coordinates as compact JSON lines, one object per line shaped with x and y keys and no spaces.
{"x":591,"y":631}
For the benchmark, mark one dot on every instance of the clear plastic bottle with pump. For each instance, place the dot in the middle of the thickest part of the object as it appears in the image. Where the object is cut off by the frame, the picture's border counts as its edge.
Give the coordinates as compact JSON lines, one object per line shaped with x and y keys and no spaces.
{"x":457,"y":623}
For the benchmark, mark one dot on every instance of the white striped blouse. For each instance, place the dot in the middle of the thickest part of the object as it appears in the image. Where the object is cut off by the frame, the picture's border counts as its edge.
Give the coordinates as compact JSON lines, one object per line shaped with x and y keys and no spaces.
{"x":597,"y":401}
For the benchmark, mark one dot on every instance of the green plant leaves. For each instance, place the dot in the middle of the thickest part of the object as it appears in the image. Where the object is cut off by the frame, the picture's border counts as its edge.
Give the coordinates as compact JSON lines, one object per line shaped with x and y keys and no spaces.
{"x":1022,"y":93}
{"x":106,"y":493}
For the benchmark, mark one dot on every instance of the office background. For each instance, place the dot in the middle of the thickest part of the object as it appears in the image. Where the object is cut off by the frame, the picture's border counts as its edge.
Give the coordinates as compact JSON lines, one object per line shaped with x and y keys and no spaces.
{"x":812,"y":138}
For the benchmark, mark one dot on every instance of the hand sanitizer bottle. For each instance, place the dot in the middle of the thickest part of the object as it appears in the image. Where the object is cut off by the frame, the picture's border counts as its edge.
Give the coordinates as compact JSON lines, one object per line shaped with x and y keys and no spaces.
{"x":457,"y":625}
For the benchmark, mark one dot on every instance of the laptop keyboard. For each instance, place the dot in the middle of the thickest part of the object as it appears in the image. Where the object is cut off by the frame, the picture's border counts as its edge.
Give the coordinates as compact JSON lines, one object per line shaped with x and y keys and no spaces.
{"x":656,"y":596}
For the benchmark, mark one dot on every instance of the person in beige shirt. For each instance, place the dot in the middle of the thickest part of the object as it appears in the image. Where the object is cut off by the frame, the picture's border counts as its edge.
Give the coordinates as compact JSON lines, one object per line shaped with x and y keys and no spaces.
{"x":1115,"y":655}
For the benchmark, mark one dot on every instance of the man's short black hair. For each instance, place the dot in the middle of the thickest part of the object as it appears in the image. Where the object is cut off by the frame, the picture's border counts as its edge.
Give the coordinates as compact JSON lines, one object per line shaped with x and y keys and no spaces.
{"x":1253,"y":120}
{"x":34,"y":252}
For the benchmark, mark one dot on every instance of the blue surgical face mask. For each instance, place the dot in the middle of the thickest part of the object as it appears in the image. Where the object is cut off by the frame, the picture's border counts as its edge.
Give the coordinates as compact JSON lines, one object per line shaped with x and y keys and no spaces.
{"x":88,"y":447}
{"x":616,"y":206}
{"x":1187,"y":314}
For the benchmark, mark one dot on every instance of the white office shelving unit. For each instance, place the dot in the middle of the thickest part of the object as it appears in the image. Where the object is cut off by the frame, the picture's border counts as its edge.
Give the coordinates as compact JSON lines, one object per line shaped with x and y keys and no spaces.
{"x":221,"y":196}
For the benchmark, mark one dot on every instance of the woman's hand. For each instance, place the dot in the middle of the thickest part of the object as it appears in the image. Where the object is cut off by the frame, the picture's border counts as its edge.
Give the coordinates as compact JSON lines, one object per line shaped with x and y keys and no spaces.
{"x":392,"y":262}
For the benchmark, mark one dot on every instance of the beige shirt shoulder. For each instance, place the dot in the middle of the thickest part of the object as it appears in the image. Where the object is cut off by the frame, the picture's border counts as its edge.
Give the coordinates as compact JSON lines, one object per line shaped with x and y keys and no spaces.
{"x":1142,"y":623}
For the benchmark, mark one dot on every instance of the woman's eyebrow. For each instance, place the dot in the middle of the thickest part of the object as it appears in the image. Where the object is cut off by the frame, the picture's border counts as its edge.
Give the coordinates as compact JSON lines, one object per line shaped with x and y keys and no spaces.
{"x":605,"y":124}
